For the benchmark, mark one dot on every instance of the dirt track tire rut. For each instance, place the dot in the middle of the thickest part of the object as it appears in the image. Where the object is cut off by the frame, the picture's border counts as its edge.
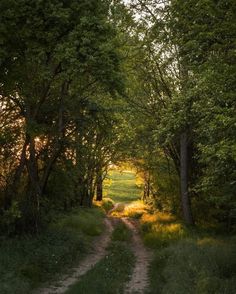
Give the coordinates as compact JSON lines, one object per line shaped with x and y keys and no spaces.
{"x":139,"y":279}
{"x":99,"y":251}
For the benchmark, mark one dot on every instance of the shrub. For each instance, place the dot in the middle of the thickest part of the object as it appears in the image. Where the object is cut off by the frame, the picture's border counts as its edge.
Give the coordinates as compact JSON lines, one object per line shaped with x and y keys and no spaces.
{"x":107,"y":204}
{"x":9,"y":218}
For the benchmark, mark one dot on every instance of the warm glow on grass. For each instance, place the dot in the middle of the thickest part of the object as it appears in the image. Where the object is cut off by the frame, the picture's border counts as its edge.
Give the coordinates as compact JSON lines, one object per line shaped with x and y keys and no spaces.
{"x":157,"y":217}
{"x":107,"y":203}
{"x":159,"y":228}
{"x":167,"y":228}
{"x":135,"y":209}
{"x":210,"y":241}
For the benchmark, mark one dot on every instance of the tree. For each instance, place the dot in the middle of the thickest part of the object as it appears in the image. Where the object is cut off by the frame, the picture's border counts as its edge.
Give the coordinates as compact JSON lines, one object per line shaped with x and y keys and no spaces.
{"x":50,"y":64}
{"x":189,"y":80}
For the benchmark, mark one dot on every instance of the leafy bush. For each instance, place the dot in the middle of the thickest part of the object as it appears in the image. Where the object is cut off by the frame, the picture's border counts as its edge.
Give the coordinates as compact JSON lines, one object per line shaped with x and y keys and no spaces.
{"x":107,"y":204}
{"x":9,"y":218}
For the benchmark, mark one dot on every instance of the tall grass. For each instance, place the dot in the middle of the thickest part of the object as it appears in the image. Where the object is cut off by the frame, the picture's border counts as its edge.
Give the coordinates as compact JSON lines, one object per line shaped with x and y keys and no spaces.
{"x":27,"y":262}
{"x":188,"y":262}
{"x":189,"y":267}
{"x":160,"y":229}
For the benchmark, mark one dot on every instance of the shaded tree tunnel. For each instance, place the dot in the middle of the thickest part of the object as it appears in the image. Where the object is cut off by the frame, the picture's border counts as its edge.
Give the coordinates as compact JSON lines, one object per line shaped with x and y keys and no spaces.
{"x":108,"y":83}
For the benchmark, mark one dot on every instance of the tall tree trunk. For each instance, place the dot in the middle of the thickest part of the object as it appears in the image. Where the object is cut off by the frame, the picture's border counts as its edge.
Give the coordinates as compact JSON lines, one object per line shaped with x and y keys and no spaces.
{"x":92,"y":186}
{"x":34,"y":189}
{"x":99,"y":191}
{"x":185,"y":200}
{"x":12,"y":188}
{"x":85,"y":199}
{"x":147,"y":187}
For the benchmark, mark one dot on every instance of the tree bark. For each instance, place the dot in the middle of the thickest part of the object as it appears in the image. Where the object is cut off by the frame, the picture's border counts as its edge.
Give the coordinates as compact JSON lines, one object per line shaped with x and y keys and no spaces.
{"x":34,"y":189}
{"x":99,"y":193}
{"x":185,"y":199}
{"x":12,"y":188}
{"x":146,"y":193}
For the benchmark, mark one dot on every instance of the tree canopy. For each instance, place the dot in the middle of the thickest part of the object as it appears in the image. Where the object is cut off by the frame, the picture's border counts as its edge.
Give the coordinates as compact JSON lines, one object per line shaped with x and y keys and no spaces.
{"x":84,"y":84}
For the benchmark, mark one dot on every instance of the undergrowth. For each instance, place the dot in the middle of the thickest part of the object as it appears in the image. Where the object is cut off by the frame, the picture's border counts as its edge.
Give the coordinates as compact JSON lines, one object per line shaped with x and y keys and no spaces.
{"x":29,"y":261}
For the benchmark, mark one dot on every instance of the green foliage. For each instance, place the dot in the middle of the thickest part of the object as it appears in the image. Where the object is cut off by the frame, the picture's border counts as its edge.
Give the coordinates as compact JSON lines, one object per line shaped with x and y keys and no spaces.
{"x":9,"y":219}
{"x":107,"y":204}
{"x":60,"y":70}
{"x":59,"y":192}
{"x":183,"y":79}
{"x":206,"y":47}
{"x":165,"y":185}
{"x":88,"y":221}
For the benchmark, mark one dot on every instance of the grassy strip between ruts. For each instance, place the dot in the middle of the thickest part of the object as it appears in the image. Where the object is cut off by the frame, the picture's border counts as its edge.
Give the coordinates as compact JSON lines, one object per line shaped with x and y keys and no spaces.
{"x":187,"y":261}
{"x":111,"y":273}
{"x":27,"y":262}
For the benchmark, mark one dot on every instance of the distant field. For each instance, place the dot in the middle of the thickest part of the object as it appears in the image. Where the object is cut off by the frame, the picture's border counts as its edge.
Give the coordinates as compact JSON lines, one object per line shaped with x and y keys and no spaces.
{"x":121,"y":186}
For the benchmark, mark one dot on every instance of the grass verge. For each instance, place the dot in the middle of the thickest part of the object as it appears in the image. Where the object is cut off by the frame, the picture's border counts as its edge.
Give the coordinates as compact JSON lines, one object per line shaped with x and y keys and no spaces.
{"x":188,"y":262}
{"x":27,"y":262}
{"x":111,"y":273}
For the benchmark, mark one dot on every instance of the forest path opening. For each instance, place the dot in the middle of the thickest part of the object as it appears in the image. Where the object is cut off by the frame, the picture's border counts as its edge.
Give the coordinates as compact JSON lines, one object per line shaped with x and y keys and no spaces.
{"x":124,"y":188}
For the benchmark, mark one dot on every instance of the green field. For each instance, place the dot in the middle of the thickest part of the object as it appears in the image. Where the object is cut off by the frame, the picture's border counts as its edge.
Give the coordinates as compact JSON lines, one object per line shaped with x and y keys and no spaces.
{"x":121,"y":186}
